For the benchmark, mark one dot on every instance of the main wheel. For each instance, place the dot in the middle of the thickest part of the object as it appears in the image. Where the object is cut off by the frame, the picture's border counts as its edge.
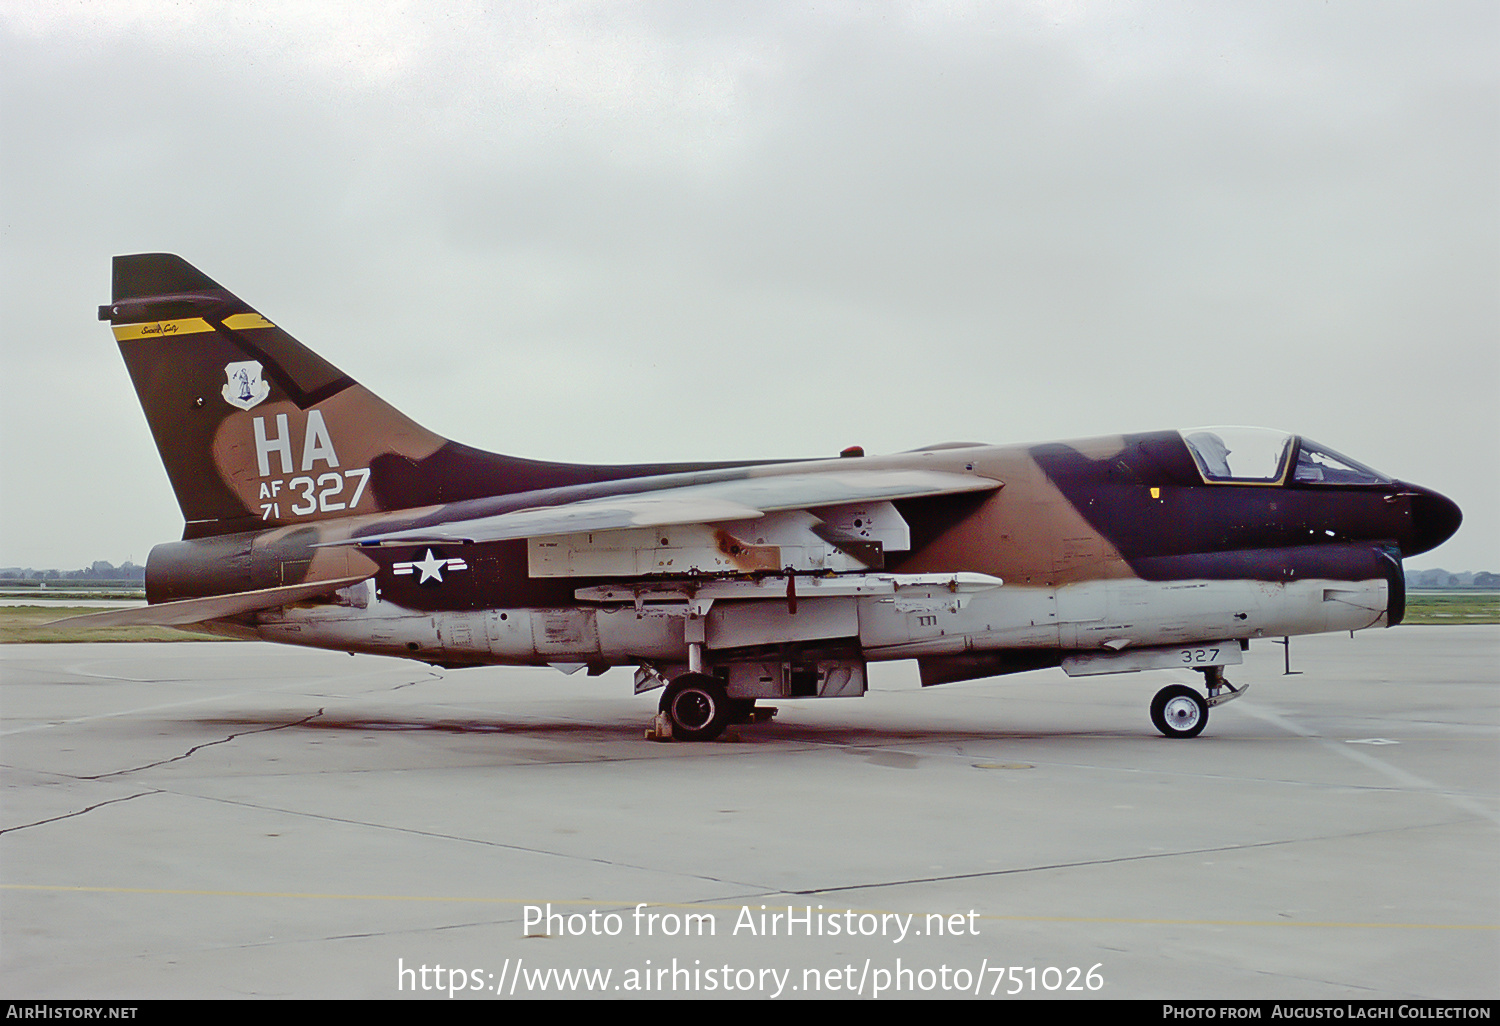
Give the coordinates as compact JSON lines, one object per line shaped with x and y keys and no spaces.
{"x":1179,"y":711}
{"x":697,"y":707}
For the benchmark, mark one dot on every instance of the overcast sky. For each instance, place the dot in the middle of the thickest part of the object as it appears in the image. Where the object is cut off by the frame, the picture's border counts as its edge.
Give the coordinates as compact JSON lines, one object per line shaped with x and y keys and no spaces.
{"x":612,"y":232}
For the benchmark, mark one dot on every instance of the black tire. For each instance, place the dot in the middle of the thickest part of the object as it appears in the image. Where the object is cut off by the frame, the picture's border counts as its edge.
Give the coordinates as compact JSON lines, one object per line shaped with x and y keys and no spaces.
{"x":1179,"y":711}
{"x":697,"y":707}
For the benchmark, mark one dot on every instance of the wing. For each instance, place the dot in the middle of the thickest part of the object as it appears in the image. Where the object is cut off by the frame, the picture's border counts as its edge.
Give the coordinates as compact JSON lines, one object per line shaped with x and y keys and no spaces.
{"x":718,"y":502}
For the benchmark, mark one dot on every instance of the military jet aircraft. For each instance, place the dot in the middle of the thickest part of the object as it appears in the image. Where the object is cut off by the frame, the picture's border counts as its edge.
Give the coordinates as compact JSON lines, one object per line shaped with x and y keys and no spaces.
{"x":316,"y":514}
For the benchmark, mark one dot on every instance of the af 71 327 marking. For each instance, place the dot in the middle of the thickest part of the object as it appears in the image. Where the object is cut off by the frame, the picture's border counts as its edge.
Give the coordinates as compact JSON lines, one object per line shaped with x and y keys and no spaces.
{"x":317,"y":496}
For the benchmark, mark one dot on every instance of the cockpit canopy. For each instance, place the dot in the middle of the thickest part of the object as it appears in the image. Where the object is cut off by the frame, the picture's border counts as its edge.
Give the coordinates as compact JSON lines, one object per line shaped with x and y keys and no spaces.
{"x":1263,"y":456}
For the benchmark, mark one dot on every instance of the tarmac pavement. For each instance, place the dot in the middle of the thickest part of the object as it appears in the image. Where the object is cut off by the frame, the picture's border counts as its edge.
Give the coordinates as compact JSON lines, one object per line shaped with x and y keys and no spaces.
{"x":232,"y":820}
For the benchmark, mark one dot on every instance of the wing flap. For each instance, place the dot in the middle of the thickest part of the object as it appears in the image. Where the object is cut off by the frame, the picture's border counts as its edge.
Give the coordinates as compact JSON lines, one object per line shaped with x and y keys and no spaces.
{"x":214,"y":607}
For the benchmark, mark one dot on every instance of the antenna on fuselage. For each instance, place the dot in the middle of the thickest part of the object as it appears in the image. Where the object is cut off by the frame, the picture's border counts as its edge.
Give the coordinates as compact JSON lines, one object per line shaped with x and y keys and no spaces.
{"x":1286,"y":644}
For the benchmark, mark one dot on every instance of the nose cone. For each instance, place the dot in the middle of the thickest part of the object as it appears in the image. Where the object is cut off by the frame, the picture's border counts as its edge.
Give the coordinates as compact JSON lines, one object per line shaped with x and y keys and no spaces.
{"x":1434,"y":518}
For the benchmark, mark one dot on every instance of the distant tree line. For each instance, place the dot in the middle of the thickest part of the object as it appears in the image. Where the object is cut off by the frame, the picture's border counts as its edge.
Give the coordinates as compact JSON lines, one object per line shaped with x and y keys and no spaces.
{"x":1445,"y":579}
{"x":99,"y":570}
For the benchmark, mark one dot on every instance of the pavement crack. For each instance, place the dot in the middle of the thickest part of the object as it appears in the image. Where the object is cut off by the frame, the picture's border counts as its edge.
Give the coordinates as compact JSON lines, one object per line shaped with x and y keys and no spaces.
{"x":197,"y":748}
{"x":486,"y":842}
{"x":424,"y":679}
{"x":80,"y":812}
{"x":990,"y":873}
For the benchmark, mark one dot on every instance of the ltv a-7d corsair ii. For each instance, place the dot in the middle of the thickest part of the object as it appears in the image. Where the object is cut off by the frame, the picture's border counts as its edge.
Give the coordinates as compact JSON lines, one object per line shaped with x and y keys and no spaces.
{"x":318,"y":515}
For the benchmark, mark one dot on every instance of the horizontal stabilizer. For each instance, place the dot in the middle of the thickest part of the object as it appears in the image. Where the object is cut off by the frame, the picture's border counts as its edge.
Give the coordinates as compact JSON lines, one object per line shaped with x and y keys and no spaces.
{"x":215,"y":607}
{"x":740,"y":499}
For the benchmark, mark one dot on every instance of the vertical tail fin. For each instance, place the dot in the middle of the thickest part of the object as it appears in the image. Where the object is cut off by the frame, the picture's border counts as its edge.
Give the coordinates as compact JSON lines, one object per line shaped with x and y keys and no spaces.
{"x":255,"y":429}
{"x":258,"y":431}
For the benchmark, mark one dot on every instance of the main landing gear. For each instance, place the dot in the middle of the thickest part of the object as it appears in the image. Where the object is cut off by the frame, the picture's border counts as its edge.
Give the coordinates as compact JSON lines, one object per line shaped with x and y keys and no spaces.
{"x":697,"y":708}
{"x":1180,"y":712}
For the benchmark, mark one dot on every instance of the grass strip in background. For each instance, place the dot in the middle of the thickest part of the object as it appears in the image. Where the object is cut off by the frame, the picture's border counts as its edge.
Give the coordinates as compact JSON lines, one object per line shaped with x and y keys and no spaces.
{"x":24,"y":624}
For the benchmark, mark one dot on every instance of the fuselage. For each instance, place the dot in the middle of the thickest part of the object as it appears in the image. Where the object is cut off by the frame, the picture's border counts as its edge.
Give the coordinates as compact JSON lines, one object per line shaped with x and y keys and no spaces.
{"x":1103,"y":543}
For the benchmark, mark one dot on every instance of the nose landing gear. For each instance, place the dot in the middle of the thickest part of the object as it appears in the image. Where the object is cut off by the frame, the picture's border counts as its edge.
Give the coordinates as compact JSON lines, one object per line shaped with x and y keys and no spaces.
{"x":1180,"y":712}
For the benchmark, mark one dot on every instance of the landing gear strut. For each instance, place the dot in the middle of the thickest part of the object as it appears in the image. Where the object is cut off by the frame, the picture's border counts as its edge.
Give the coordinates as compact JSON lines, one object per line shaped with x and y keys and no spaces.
{"x":1213,"y":679}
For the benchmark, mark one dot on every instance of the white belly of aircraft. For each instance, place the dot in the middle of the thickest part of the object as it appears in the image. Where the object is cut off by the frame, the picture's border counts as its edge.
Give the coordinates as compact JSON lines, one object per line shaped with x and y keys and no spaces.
{"x":1101,"y":616}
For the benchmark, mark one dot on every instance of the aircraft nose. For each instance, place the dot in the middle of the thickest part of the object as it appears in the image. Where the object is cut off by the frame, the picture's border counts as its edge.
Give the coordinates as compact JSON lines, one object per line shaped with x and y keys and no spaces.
{"x":1434,"y":518}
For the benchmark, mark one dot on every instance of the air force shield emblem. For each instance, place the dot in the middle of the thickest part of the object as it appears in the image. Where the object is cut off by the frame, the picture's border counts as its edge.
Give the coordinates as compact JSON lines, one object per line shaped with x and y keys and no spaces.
{"x":246,"y":388}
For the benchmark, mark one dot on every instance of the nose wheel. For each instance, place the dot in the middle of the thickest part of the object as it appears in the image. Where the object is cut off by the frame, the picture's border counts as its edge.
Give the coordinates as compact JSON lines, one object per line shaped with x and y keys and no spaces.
{"x":1180,"y":712}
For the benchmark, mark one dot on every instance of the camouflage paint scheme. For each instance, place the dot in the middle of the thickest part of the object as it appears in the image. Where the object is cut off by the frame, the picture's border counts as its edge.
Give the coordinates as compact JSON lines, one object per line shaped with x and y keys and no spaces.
{"x":290,"y":473}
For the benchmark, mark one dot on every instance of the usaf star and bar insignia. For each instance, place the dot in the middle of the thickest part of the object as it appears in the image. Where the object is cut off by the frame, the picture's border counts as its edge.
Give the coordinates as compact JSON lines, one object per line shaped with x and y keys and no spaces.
{"x":430,"y":568}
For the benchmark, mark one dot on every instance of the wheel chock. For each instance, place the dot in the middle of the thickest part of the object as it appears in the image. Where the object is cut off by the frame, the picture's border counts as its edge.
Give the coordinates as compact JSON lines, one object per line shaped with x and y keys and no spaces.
{"x":660,"y":729}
